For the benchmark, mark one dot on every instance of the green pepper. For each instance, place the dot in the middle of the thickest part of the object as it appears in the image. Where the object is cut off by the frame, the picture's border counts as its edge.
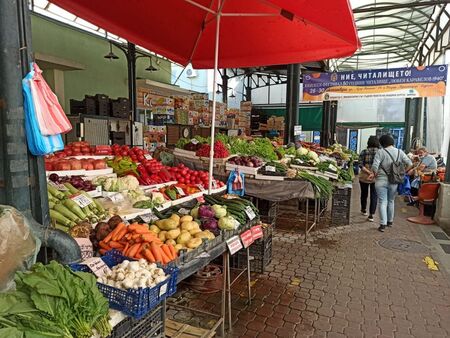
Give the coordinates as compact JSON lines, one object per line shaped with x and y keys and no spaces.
{"x":171,"y":192}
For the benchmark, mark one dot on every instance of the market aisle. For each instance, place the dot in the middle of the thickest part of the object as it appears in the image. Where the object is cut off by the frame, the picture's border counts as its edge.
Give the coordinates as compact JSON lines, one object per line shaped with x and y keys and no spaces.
{"x":343,"y":283}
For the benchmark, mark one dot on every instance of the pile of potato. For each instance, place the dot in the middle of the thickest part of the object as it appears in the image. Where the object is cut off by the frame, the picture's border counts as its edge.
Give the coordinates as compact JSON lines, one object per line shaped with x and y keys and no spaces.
{"x":181,"y":232}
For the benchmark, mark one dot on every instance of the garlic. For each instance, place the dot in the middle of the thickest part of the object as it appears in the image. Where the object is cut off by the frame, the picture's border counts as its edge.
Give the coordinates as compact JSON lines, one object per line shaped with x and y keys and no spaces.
{"x":120,"y":276}
{"x":127,"y":283}
{"x":100,"y":280}
{"x":133,"y":266}
{"x":130,"y":275}
{"x":142,"y":283}
{"x":124,"y":264}
{"x":159,"y":279}
{"x":159,"y":272}
{"x":143,"y":262}
{"x":118,"y":285}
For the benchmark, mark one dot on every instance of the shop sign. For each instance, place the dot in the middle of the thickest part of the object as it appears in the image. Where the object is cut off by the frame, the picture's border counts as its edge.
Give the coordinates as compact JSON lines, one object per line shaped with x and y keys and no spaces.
{"x":247,"y":238}
{"x":234,"y":244}
{"x":257,"y":232}
{"x":423,"y":81}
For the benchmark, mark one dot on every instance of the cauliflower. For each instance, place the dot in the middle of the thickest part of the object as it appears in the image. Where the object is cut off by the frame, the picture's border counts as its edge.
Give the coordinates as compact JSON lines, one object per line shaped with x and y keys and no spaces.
{"x":158,"y":198}
{"x":137,"y":195}
{"x":110,"y":184}
{"x":129,"y":182}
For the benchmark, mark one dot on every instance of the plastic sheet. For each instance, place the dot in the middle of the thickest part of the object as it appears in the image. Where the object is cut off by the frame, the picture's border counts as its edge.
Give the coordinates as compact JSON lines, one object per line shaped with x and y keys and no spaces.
{"x":18,"y":245}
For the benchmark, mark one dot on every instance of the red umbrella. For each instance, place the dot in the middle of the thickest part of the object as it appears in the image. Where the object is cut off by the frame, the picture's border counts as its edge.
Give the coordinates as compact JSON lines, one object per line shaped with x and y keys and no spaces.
{"x":228,"y":33}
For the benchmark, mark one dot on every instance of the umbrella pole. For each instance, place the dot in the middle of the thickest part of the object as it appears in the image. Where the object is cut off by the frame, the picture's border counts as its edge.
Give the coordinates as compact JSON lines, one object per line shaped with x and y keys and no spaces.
{"x":213,"y":117}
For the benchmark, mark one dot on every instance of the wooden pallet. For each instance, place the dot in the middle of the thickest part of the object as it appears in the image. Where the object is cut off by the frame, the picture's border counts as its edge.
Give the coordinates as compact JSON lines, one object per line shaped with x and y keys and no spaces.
{"x":180,"y":330}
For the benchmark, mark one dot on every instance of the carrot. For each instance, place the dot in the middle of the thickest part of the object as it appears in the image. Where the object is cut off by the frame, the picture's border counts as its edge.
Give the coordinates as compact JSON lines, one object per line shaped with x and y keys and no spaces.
{"x":166,"y":250}
{"x":115,"y":245}
{"x":142,"y":231}
{"x":156,"y":251}
{"x":135,"y":226}
{"x":134,"y":236}
{"x":148,"y":237}
{"x":103,"y":245}
{"x":165,"y":259}
{"x":139,"y":256}
{"x":102,"y":251}
{"x":127,"y":245}
{"x":120,"y":234}
{"x":148,"y":255}
{"x":133,"y":250}
{"x":128,"y":236}
{"x":118,"y":228}
{"x":172,"y":250}
{"x":108,"y":237}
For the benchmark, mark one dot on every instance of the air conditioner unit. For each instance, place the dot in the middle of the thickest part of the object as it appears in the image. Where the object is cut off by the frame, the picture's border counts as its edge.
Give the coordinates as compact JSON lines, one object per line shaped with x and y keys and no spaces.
{"x":190,"y":72}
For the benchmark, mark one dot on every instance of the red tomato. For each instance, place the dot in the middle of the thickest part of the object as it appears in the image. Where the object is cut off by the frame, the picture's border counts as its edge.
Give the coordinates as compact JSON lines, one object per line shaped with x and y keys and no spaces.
{"x":48,"y":166}
{"x":124,"y":153}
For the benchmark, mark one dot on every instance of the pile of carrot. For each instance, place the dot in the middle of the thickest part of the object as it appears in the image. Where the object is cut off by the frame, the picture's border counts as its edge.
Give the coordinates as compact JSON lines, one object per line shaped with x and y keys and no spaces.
{"x":137,"y":241}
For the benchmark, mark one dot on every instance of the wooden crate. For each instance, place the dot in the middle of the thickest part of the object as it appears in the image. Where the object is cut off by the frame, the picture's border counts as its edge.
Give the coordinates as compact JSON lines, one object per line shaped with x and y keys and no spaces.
{"x":176,"y":329}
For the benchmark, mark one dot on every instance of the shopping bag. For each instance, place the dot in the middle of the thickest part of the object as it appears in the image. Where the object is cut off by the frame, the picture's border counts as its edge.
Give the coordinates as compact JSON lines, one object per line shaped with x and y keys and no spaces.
{"x":38,"y":144}
{"x":50,"y":116}
{"x":404,"y":188}
{"x":235,"y":183}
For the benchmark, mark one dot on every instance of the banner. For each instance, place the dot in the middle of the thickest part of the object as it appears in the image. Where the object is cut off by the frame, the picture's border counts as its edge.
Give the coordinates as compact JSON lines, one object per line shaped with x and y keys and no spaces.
{"x":387,"y":83}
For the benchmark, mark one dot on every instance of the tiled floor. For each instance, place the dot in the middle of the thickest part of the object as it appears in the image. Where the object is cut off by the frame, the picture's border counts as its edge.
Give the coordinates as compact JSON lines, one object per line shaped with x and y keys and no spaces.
{"x":342,"y":283}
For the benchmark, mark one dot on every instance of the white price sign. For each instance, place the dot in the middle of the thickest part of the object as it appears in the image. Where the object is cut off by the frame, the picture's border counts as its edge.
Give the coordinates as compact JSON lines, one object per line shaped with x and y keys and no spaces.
{"x":184,"y":211}
{"x":148,"y":157}
{"x":270,"y":168}
{"x":81,"y":200}
{"x":86,"y":248}
{"x":180,"y":191}
{"x":214,"y":184}
{"x":250,"y":213}
{"x":234,"y":244}
{"x":97,"y":266}
{"x":194,"y":141}
{"x":116,"y":198}
{"x":148,"y":218}
{"x":163,"y":290}
{"x":99,"y":188}
{"x":58,"y":186}
{"x":201,"y":187}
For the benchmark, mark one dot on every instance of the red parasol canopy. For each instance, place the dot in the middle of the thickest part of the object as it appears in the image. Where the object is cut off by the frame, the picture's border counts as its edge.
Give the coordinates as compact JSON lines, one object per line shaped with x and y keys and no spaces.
{"x":252,"y":32}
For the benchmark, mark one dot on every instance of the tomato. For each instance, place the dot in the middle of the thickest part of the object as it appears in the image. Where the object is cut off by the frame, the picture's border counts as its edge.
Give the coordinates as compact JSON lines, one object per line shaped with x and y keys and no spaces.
{"x":182,"y":180}
{"x":48,"y":166}
{"x":140,"y":158}
{"x":124,"y":153}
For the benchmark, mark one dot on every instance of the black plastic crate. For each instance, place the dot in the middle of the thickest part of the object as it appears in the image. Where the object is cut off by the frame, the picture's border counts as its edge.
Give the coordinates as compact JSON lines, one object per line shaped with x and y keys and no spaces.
{"x":120,"y":108}
{"x":151,"y":325}
{"x":102,"y":104}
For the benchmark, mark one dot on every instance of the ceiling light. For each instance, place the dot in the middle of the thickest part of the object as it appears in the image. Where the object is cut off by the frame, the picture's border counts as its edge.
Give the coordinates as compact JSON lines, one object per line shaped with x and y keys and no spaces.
{"x":111,"y":56}
{"x":232,"y":94}
{"x":151,"y":68}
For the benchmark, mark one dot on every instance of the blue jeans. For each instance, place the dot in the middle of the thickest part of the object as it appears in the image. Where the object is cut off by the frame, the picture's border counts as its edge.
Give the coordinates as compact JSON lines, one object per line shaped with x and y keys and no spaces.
{"x":386,"y":196}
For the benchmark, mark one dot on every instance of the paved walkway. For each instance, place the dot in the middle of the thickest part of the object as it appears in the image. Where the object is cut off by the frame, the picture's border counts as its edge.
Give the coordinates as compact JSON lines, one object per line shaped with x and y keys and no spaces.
{"x":343,"y":283}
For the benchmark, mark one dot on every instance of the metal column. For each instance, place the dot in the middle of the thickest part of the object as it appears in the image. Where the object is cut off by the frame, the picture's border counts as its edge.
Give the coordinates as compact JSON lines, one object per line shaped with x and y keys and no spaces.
{"x":22,"y":176}
{"x":132,"y":93}
{"x":292,"y":101}
{"x":412,"y":122}
{"x":248,"y":88}
{"x":225,"y":87}
{"x":329,"y":118}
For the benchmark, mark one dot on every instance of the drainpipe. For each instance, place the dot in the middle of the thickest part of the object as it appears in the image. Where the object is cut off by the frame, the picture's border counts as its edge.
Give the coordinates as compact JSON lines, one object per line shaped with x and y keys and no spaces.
{"x":22,"y":176}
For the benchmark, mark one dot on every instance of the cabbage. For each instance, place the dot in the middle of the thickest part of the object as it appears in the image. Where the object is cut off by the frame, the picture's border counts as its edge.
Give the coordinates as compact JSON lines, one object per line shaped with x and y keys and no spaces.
{"x":313,"y":156}
{"x":210,"y":224}
{"x":194,"y":212}
{"x":219,"y":210}
{"x":205,"y":211}
{"x":227,"y":223}
{"x":302,"y":151}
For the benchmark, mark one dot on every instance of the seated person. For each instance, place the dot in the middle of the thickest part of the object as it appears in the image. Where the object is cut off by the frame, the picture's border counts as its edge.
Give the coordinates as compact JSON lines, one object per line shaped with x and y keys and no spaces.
{"x":425,"y":163}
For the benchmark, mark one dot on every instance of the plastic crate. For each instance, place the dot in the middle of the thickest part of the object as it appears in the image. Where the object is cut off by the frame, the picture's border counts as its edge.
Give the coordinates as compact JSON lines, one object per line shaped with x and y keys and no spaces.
{"x":151,"y":325}
{"x":134,"y":302}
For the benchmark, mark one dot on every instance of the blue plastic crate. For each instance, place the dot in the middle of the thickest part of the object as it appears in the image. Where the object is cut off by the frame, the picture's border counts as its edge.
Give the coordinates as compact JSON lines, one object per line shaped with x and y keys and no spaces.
{"x":134,"y":302}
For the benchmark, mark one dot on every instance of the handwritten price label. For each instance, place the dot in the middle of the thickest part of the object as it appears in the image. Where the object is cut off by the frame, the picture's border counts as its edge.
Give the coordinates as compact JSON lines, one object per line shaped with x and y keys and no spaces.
{"x":180,"y":191}
{"x":234,"y":244}
{"x":97,"y":266}
{"x":163,"y":290}
{"x":201,"y":187}
{"x":214,"y":184}
{"x":250,"y":213}
{"x":247,"y":238}
{"x":148,"y":157}
{"x":86,"y":247}
{"x":58,"y":186}
{"x":184,"y":211}
{"x":148,"y":218}
{"x":257,"y":232}
{"x":81,"y":200}
{"x":270,"y":168}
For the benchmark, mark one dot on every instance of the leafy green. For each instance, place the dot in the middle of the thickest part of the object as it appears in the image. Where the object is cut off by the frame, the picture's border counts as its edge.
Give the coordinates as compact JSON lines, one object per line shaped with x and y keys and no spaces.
{"x":53,"y":301}
{"x":181,"y":143}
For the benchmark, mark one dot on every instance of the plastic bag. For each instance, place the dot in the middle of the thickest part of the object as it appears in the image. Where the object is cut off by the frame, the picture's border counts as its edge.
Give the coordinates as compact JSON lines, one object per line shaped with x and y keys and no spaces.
{"x":235,"y":183}
{"x":18,"y":245}
{"x":38,"y":144}
{"x":50,"y":116}
{"x":405,"y":187}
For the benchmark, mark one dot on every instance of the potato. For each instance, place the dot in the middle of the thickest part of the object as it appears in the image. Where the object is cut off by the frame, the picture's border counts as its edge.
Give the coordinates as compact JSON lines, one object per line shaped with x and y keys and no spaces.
{"x":176,"y":218}
{"x":184,"y":237}
{"x":162,"y":236}
{"x":189,"y":225}
{"x":209,"y":234}
{"x":173,"y":234}
{"x":155,"y":229}
{"x":186,"y":218}
{"x":203,"y":234}
{"x":179,"y":247}
{"x":194,"y":231}
{"x":171,"y":241}
{"x":194,"y":243}
{"x":167,"y":224}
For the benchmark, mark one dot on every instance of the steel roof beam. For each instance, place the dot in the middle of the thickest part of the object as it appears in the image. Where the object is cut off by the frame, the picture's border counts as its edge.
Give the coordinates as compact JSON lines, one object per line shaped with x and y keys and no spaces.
{"x":364,"y":9}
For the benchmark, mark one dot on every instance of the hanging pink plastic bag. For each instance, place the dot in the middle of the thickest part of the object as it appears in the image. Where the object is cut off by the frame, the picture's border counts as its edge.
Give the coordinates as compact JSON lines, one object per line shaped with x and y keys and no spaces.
{"x":51,"y":117}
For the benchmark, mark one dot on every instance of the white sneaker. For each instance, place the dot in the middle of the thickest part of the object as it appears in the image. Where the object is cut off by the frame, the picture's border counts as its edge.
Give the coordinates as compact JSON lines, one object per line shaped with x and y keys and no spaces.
{"x":370,"y":218}
{"x":364,"y":213}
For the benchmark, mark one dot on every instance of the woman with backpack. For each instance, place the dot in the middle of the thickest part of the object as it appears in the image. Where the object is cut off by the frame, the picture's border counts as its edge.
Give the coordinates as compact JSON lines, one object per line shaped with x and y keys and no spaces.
{"x":389,"y":167}
{"x":365,"y":163}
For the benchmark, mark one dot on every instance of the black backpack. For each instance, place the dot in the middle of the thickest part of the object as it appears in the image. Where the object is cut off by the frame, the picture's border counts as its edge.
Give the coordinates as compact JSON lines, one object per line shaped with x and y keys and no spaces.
{"x":396,"y":174}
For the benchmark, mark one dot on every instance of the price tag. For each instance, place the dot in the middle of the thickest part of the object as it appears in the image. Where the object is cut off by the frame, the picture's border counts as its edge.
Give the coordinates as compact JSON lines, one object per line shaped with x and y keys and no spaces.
{"x":214,"y":184}
{"x":117,"y":198}
{"x":194,"y":141}
{"x":58,"y":186}
{"x":201,"y":187}
{"x":257,"y":232}
{"x":97,"y":266}
{"x":234,"y":245}
{"x":81,"y":200}
{"x":270,"y":168}
{"x":180,"y":191}
{"x":250,"y":213}
{"x":86,"y":247}
{"x":99,"y":188}
{"x":247,"y":238}
{"x":163,"y":289}
{"x":184,"y":211}
{"x":148,"y":218}
{"x":148,"y":157}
